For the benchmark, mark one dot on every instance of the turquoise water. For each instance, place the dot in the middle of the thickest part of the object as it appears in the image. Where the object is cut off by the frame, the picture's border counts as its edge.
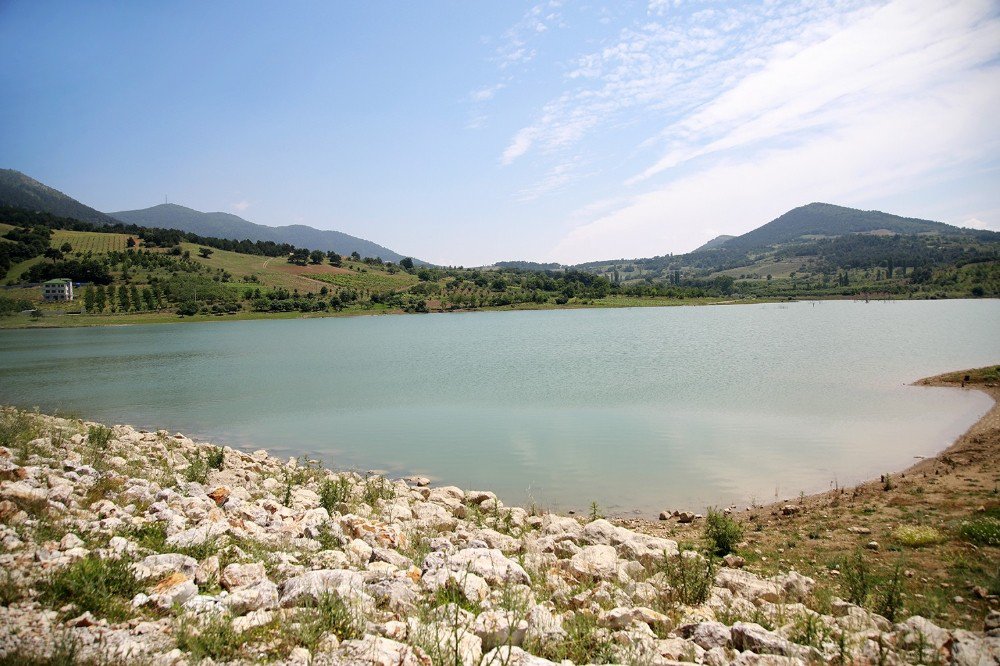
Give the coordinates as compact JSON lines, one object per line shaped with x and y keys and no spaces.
{"x":636,"y":409}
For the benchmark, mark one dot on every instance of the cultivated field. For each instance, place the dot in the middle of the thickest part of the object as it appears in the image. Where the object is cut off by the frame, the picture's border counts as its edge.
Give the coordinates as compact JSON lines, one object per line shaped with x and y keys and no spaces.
{"x":89,"y":241}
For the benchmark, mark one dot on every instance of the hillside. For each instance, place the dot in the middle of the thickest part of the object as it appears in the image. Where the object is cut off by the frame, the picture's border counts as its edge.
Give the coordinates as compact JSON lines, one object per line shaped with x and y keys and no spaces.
{"x":17,"y":189}
{"x":821,"y":219}
{"x":718,"y":241}
{"x":226,"y":225}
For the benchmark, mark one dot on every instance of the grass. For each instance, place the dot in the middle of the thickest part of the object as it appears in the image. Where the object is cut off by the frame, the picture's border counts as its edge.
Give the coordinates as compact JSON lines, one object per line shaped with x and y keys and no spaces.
{"x":983,"y":530}
{"x":215,"y":639}
{"x":17,"y":430}
{"x":90,"y":241}
{"x":103,"y":587}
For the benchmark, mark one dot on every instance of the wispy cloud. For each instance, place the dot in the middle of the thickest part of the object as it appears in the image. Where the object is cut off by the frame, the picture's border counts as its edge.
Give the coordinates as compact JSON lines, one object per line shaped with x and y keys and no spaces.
{"x":734,"y":115}
{"x":240,"y":206}
{"x":517,"y":43}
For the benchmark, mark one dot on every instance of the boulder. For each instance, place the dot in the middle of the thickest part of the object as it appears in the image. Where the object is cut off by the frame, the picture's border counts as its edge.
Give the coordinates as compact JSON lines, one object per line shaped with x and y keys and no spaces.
{"x":377,"y":651}
{"x":240,"y":575}
{"x":157,"y":566}
{"x":310,"y":586}
{"x":495,"y":628}
{"x":596,"y":562}
{"x":488,"y":563}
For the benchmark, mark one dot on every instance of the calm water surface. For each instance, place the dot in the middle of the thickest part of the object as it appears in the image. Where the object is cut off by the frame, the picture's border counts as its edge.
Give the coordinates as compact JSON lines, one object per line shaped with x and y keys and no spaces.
{"x":636,"y":409}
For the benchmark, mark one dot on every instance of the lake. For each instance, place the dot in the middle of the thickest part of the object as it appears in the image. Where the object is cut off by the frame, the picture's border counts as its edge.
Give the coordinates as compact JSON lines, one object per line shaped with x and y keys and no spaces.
{"x":637,"y":409}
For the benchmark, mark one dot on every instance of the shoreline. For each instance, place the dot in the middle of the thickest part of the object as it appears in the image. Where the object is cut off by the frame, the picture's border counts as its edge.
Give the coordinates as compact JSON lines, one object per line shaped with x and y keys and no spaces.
{"x":940,"y":492}
{"x":25,"y":322}
{"x":134,"y":545}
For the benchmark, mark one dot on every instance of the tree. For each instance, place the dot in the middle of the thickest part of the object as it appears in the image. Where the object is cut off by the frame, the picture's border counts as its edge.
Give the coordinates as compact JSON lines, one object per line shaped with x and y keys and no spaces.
{"x":123,"y":300}
{"x":355,"y":256}
{"x":53,"y":254}
{"x":133,"y":293}
{"x":317,"y":256}
{"x":299,"y":256}
{"x":334,"y":258}
{"x":65,"y":248}
{"x":147,"y":297}
{"x":89,"y":298}
{"x":205,"y":252}
{"x":100,"y":298}
{"x":131,"y":242}
{"x":407,"y":263}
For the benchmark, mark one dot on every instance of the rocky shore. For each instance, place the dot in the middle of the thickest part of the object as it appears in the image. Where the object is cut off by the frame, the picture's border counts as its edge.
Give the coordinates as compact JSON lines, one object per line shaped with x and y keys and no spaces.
{"x":124,"y":546}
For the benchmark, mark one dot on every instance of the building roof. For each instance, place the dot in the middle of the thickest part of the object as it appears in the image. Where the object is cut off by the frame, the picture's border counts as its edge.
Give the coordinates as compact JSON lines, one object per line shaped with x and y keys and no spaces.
{"x":58,"y":281}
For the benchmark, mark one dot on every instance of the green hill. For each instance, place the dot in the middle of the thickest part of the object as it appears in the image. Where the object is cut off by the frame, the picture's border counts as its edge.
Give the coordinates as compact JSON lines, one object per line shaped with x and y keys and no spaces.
{"x":825,"y":220}
{"x":226,"y":225}
{"x":21,"y":191}
{"x":716,"y":242}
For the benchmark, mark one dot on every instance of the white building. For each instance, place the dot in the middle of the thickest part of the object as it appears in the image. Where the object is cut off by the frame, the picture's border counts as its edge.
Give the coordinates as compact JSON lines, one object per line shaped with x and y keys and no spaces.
{"x":60,"y":289}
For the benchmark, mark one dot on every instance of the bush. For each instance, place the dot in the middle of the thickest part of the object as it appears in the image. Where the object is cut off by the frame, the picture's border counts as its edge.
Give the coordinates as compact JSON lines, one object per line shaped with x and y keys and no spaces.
{"x":916,"y":536}
{"x":984,"y":530}
{"x":103,"y":587}
{"x":690,"y":576}
{"x":333,"y":492}
{"x":722,"y":532}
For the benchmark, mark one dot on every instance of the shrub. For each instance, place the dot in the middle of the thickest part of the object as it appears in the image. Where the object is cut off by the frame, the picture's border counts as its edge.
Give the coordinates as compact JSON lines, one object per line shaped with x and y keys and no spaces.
{"x":103,"y":587}
{"x":722,"y":532}
{"x":17,"y":428}
{"x":916,"y":536}
{"x":983,"y":530}
{"x":857,"y":578}
{"x":690,"y":576}
{"x":216,"y":457}
{"x":376,"y":488}
{"x":97,"y":445}
{"x":334,"y":491}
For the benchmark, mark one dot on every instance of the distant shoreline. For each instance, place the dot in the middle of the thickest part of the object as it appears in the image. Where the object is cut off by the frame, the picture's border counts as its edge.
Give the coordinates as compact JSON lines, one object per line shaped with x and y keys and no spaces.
{"x":19,"y":322}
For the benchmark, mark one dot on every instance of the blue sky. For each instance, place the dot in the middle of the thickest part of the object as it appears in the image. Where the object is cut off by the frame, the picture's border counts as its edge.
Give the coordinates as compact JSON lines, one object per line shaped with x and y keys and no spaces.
{"x":464,"y":133}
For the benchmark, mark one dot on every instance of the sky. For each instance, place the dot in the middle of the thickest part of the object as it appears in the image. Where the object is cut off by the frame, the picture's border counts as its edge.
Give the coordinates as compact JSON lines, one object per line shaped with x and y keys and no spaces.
{"x":464,"y":133}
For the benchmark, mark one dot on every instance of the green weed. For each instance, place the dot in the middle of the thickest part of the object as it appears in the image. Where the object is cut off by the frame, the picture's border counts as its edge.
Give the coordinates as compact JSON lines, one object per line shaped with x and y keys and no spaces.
{"x":103,"y":587}
{"x":722,"y":532}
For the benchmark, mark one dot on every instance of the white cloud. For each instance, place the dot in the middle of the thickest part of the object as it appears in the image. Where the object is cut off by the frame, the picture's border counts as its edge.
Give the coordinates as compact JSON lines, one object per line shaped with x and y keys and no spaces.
{"x":240,"y":206}
{"x":486,"y":93}
{"x":849,"y":109}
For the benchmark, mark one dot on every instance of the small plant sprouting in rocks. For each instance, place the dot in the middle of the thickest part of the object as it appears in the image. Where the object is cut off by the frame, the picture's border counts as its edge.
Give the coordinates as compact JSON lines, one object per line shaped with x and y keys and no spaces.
{"x":809,"y":629}
{"x":858,"y":578}
{"x":329,"y":614}
{"x":595,"y":512}
{"x":103,"y":587}
{"x":376,"y":488}
{"x":334,"y":491}
{"x":890,"y":597}
{"x":690,"y":576}
{"x":214,"y":639}
{"x":97,"y":445}
{"x":887,"y":482}
{"x":17,"y":430}
{"x":215,"y":457}
{"x":722,"y":532}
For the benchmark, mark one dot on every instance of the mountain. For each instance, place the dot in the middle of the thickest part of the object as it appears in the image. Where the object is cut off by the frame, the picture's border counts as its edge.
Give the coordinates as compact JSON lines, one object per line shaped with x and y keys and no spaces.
{"x":21,"y":191}
{"x":714,"y":243}
{"x":821,"y":219}
{"x":226,"y":225}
